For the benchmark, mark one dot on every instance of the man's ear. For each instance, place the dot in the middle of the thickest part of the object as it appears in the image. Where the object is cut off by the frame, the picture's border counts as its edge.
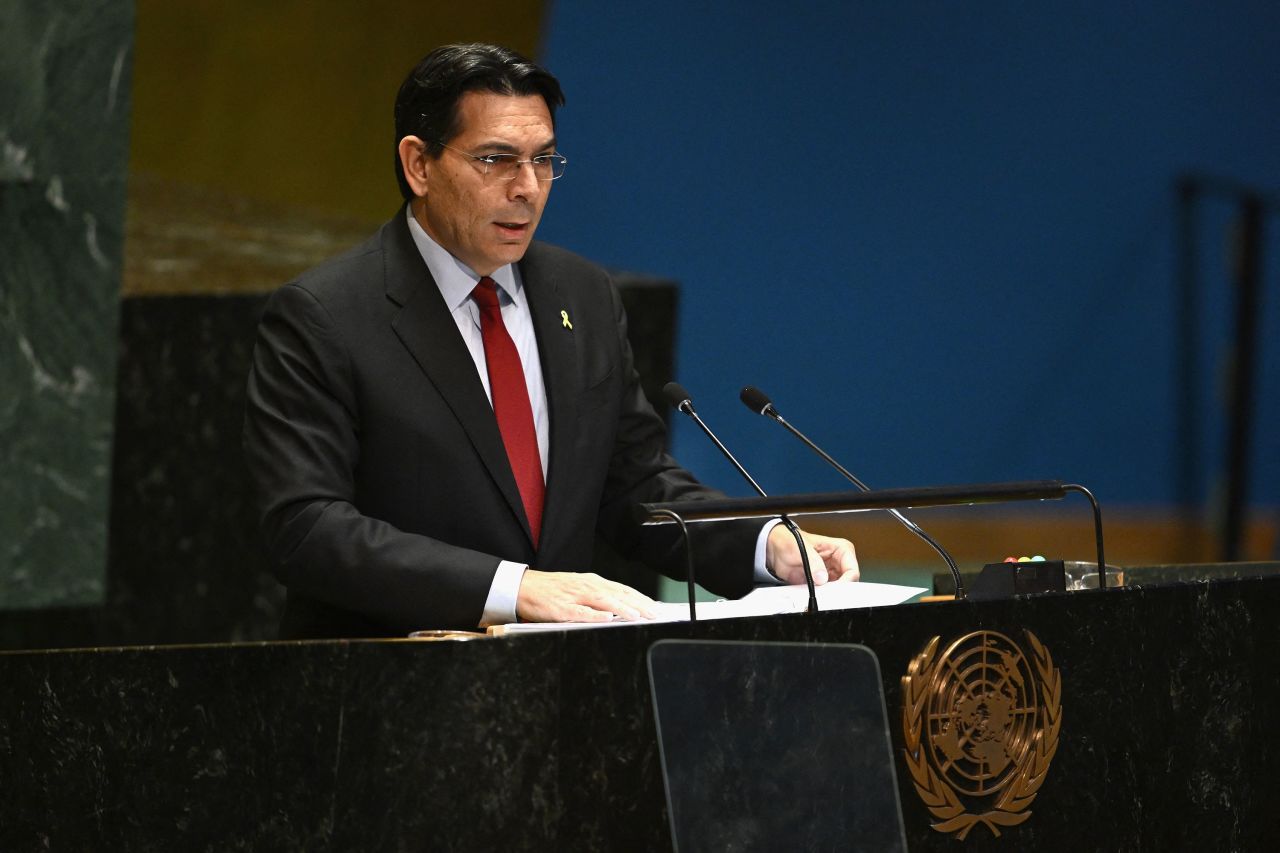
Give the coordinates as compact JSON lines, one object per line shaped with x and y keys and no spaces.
{"x":415,"y":163}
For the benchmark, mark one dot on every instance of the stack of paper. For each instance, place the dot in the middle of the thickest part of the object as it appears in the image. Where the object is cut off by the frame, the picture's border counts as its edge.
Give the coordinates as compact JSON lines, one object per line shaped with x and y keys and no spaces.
{"x":763,"y":601}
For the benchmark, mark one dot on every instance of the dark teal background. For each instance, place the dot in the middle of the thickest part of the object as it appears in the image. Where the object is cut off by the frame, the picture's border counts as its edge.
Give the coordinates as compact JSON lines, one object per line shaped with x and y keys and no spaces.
{"x":940,"y":235}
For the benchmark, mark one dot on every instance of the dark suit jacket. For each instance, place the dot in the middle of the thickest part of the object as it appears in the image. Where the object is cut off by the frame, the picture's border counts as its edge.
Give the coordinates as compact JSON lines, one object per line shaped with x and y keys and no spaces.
{"x":385,"y":492}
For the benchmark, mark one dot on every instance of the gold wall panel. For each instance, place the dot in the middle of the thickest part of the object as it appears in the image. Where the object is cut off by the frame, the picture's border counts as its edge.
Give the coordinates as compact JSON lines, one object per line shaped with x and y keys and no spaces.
{"x":285,"y":107}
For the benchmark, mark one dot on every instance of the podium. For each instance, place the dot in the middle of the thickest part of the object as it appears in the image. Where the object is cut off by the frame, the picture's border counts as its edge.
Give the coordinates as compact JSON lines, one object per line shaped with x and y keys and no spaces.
{"x":1165,"y":741}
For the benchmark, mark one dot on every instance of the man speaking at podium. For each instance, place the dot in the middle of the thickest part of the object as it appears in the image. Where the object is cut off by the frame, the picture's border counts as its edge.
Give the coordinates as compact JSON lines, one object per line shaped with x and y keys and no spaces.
{"x":441,"y":419}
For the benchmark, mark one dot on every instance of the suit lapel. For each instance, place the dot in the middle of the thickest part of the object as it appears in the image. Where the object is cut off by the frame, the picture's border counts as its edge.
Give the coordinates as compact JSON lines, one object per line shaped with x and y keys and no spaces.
{"x":558,"y":351}
{"x":427,"y":329}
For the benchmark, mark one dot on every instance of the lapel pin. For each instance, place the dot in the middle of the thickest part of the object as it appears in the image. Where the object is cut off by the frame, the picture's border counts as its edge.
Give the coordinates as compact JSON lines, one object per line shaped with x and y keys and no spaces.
{"x":564,"y":320}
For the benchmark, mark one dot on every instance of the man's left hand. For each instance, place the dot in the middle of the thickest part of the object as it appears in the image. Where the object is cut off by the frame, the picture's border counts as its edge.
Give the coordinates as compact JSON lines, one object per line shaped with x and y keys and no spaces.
{"x":830,"y":559}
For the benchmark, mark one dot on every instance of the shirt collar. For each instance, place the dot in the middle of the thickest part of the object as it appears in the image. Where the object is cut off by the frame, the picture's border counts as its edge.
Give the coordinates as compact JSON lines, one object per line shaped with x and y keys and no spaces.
{"x":455,"y":279}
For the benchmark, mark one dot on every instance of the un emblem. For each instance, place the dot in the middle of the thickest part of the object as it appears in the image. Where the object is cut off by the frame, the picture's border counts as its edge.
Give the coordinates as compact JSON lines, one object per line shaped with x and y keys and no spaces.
{"x":980,"y":722}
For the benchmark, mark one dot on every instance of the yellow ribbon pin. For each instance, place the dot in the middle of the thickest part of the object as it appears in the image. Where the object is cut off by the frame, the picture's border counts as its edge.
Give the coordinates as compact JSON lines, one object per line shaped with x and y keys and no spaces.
{"x":564,"y":320}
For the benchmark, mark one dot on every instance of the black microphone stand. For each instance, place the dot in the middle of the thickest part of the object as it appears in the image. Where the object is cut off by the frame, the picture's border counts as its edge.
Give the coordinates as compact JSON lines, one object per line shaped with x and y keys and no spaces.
{"x":680,"y":399}
{"x":757,"y":401}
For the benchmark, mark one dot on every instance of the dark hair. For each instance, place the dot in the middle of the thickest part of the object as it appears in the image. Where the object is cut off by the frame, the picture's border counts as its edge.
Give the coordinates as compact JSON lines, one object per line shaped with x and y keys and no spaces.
{"x":427,"y":104}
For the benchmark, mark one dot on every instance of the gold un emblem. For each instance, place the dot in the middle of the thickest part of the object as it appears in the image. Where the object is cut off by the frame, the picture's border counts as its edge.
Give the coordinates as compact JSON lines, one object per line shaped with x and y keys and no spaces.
{"x":980,"y":722}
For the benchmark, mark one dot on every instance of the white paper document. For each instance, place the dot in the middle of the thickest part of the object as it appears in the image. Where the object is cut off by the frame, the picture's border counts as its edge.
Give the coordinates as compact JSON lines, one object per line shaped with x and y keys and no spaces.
{"x":763,"y":601}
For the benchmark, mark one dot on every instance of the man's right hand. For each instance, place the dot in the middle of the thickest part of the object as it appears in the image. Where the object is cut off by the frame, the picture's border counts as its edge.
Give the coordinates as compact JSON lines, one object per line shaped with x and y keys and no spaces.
{"x":578,"y":597}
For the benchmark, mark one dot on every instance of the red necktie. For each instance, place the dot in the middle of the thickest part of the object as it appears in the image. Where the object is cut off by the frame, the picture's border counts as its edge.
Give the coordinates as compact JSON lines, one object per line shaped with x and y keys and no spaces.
{"x":511,"y":403}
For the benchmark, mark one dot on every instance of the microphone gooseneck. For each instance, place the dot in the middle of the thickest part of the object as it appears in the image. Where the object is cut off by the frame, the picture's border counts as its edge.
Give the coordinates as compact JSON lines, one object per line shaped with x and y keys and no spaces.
{"x":758,"y":401}
{"x":683,"y":402}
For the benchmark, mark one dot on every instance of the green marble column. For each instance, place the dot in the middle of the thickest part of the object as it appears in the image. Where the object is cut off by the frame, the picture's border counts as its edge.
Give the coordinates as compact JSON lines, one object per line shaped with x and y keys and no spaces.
{"x":65,"y":81}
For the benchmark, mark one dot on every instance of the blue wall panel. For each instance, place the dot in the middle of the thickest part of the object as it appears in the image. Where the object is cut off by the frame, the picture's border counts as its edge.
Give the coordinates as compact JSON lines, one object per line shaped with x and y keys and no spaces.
{"x":941,"y":235}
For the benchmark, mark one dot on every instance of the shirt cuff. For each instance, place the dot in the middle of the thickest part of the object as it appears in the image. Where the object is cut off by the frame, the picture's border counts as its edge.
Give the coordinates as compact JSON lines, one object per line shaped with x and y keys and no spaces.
{"x":500,"y":606}
{"x":762,"y":573}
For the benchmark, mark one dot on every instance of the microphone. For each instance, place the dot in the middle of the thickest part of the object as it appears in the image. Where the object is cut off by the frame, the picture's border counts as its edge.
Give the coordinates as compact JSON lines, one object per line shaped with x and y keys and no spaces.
{"x":758,"y":401}
{"x":682,"y":401}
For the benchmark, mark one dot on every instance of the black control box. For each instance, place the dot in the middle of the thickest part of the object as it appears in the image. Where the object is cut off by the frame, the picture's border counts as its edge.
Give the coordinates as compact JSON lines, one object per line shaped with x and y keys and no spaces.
{"x":1005,"y":580}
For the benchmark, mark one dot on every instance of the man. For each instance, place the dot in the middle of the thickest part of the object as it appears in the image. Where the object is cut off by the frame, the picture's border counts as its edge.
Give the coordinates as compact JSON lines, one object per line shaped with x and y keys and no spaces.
{"x":440,"y":420}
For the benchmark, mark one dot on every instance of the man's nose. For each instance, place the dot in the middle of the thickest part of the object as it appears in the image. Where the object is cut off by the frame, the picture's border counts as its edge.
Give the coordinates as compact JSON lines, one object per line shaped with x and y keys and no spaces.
{"x":525,"y":184}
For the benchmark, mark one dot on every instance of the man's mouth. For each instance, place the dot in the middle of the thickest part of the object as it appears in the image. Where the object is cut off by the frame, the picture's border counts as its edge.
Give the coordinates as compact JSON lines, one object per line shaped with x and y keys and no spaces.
{"x":512,"y":229}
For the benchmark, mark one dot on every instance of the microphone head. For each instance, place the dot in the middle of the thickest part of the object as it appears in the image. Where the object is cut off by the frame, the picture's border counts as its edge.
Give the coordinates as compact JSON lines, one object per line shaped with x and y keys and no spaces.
{"x":677,"y":396}
{"x":756,"y":400}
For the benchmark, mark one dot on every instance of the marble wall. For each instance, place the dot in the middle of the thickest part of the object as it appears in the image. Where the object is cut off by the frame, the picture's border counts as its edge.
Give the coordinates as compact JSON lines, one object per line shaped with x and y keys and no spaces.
{"x":65,"y":79}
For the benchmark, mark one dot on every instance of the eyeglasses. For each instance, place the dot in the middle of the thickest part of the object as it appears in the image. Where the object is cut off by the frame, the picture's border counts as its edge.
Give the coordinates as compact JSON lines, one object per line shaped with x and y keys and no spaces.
{"x":505,"y":167}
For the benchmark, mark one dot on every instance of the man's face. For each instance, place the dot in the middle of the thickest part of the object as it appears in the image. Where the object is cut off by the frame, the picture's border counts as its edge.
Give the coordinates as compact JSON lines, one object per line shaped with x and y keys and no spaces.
{"x":480,"y":219}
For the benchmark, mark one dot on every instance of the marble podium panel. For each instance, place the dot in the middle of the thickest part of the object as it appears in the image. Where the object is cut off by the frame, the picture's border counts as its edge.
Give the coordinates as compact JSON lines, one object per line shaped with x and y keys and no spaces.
{"x":548,"y":741}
